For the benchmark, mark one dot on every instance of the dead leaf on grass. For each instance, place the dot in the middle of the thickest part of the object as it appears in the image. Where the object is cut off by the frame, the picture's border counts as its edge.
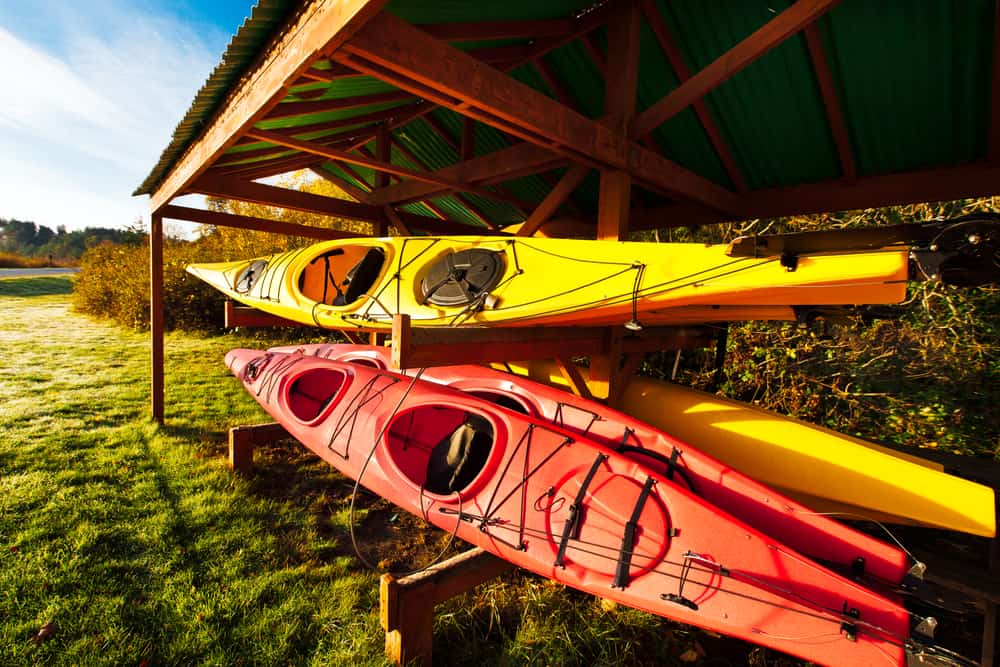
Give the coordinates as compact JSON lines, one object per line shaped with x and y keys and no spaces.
{"x":44,"y":632}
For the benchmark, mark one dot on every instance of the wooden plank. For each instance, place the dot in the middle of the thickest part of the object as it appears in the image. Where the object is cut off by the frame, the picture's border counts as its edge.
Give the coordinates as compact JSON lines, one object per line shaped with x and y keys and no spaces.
{"x":468,"y":146}
{"x":383,"y":153}
{"x":351,"y":158}
{"x":498,"y":164}
{"x":994,"y":148}
{"x":834,"y":112}
{"x":595,"y":53}
{"x":497,"y":30}
{"x":295,"y":109}
{"x":342,"y":183}
{"x":554,"y":199}
{"x":393,"y":217}
{"x":249,"y":222}
{"x":555,"y":84}
{"x":156,"y":316}
{"x":404,"y":56}
{"x":322,"y":27}
{"x":334,"y":73}
{"x":360,"y":119}
{"x":244,"y":316}
{"x":298,"y":200}
{"x":765,"y":38}
{"x":571,"y":372}
{"x":669,"y":47}
{"x":613,"y":205}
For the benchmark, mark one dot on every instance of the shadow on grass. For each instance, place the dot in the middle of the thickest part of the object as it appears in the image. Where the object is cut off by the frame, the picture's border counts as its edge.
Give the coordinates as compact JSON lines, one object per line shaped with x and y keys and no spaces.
{"x":36,"y":286}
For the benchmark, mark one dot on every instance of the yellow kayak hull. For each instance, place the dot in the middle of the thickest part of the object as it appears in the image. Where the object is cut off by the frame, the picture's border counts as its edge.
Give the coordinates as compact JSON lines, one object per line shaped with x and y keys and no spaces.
{"x":822,"y":469}
{"x":540,"y":281}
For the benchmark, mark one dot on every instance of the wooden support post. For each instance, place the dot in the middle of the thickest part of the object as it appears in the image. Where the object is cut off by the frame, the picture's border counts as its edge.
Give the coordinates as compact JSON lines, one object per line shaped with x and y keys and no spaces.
{"x":570,"y":371}
{"x":407,"y":604}
{"x":383,"y":153}
{"x":242,"y":440}
{"x":156,"y":315}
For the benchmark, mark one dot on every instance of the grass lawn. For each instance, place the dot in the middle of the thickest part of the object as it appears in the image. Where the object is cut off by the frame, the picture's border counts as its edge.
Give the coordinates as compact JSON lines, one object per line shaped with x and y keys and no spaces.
{"x":125,"y":543}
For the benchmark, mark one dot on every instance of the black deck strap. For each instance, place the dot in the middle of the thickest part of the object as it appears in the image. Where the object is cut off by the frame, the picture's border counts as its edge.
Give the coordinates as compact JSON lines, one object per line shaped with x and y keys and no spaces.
{"x":678,"y":597}
{"x":628,"y":540}
{"x":625,"y":436}
{"x":572,"y":523}
{"x":672,"y":463}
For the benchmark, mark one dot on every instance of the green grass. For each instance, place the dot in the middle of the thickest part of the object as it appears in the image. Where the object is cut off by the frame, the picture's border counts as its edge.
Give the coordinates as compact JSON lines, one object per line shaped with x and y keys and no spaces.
{"x":140,"y":547}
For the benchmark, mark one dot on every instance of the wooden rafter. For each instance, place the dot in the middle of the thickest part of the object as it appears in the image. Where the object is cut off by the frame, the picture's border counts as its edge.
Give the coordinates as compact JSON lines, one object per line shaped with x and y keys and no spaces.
{"x":401,"y":54}
{"x":555,"y":84}
{"x":595,"y":53}
{"x":268,"y":168}
{"x":554,"y":199}
{"x":476,"y":212}
{"x":333,"y":73}
{"x":834,"y":112}
{"x":295,"y":109}
{"x":467,"y":148}
{"x":496,"y":30}
{"x":352,"y":158}
{"x":770,"y":35}
{"x":349,"y":188}
{"x":321,"y":28}
{"x":360,"y":119}
{"x":468,"y":173}
{"x":994,"y":148}
{"x":220,"y":219}
{"x":669,"y":47}
{"x":965,"y":181}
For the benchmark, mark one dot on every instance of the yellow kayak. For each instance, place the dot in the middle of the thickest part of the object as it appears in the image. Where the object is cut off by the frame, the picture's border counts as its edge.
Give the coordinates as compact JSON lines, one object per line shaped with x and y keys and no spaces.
{"x":822,"y":469}
{"x":510,"y":281}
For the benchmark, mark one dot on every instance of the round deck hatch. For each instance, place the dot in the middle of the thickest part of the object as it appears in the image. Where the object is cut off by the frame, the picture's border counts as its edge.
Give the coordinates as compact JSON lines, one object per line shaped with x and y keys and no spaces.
{"x":461,"y":277}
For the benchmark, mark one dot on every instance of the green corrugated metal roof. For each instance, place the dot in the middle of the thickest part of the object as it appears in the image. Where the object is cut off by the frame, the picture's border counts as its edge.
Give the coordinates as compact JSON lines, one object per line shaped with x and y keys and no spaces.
{"x":913,"y":81}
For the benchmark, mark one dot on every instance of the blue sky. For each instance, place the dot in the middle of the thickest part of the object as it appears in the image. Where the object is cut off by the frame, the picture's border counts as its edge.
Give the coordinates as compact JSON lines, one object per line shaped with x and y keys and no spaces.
{"x":93,"y":92}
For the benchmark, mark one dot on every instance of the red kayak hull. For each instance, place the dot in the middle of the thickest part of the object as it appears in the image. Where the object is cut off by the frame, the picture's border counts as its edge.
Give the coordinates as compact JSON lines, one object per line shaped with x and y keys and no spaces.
{"x":569,"y":508}
{"x":767,"y":510}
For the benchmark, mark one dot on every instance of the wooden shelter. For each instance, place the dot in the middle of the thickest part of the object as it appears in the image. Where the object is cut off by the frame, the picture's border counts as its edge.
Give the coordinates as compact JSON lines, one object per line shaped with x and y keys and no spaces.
{"x":470,"y":117}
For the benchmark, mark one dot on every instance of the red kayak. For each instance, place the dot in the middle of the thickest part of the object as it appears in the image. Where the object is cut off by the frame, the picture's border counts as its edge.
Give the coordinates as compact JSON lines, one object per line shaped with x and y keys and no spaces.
{"x":565,"y":506}
{"x":731,"y":491}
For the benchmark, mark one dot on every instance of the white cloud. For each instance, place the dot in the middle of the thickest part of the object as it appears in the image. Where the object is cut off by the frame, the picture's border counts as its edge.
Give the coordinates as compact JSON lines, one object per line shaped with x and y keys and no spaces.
{"x":93,"y":101}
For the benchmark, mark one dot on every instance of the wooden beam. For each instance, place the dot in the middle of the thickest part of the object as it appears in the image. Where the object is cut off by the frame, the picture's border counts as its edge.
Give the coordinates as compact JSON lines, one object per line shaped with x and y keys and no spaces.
{"x":834,"y":112}
{"x":496,"y":30}
{"x":296,"y":109}
{"x":765,"y":38}
{"x":572,"y":374}
{"x":467,"y":150}
{"x":498,"y":164}
{"x":558,"y":88}
{"x":266,"y":168}
{"x":595,"y":53}
{"x":322,"y":27}
{"x":383,"y":153}
{"x":351,"y":158}
{"x":342,"y":183}
{"x":360,"y":119}
{"x":994,"y":148}
{"x":393,"y":217}
{"x":298,"y":200}
{"x":556,"y":197}
{"x":620,"y":86}
{"x":963,"y":182}
{"x":334,"y":73}
{"x":235,"y":315}
{"x":156,"y":318}
{"x":669,"y":47}
{"x":250,"y":222}
{"x":401,"y":54}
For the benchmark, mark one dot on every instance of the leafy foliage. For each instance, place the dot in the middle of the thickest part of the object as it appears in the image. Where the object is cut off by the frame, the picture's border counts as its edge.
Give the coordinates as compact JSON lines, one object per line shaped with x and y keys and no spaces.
{"x":114,"y":278}
{"x":925,"y":379}
{"x":28,"y":239}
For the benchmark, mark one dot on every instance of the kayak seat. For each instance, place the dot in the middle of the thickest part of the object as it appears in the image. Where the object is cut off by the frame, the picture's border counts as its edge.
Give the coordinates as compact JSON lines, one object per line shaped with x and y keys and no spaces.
{"x":361,"y":277}
{"x":456,"y":460}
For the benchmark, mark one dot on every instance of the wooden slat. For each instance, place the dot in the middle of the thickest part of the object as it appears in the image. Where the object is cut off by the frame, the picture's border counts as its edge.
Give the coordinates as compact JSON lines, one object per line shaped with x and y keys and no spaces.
{"x":323,"y":27}
{"x":204,"y":217}
{"x":768,"y":36}
{"x":295,"y":109}
{"x":967,"y":181}
{"x":270,"y":195}
{"x":352,"y":158}
{"x":496,"y":30}
{"x":669,"y":47}
{"x":555,"y":84}
{"x":401,"y":54}
{"x":834,"y":112}
{"x":342,"y":183}
{"x":244,"y":316}
{"x":464,"y":174}
{"x":994,"y":148}
{"x":554,"y":199}
{"x":360,"y":119}
{"x":620,"y":87}
{"x":156,"y":316}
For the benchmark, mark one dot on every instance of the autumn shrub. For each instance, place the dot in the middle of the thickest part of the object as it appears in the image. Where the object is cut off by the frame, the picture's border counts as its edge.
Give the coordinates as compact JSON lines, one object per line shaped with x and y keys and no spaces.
{"x":9,"y":260}
{"x":929,"y":377}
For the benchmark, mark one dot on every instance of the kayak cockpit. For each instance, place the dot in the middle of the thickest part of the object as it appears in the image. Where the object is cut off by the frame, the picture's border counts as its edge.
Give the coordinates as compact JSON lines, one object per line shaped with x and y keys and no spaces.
{"x":311,"y":393}
{"x":443,"y":450}
{"x":340,"y":276}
